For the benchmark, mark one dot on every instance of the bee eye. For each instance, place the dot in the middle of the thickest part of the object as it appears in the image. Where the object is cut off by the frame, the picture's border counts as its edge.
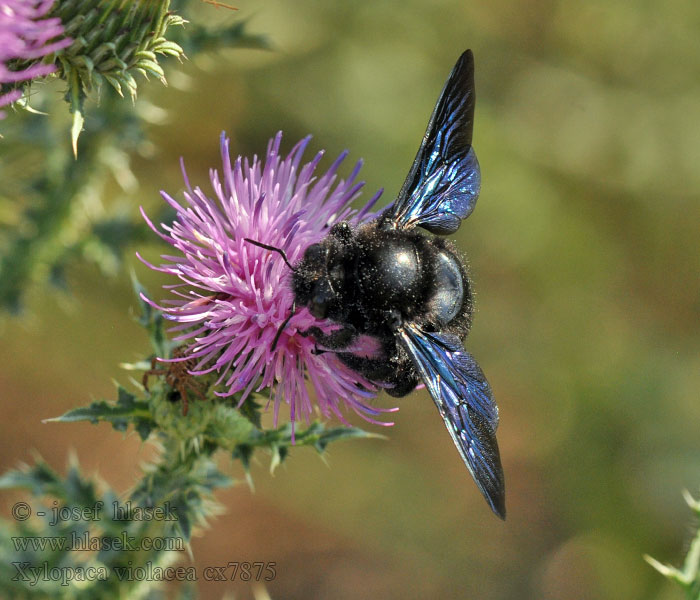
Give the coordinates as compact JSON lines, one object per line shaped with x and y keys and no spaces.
{"x":322,"y":296}
{"x":318,"y":308}
{"x":314,"y":253}
{"x":336,"y":274}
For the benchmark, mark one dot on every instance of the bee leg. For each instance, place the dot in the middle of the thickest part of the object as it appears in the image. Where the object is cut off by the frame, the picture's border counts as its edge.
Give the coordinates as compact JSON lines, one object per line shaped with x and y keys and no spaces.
{"x":404,"y":376}
{"x":405,"y":381}
{"x":398,"y":373}
{"x":281,"y":329}
{"x":336,"y":340}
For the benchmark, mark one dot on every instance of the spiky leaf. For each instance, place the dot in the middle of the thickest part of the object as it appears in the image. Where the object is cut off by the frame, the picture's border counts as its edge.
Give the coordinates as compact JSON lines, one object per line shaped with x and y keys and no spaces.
{"x":127,"y":410}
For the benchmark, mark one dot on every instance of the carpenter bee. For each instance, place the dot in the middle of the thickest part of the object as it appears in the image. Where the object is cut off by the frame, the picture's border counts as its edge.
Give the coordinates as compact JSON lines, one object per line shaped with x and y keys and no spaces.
{"x":409,"y":291}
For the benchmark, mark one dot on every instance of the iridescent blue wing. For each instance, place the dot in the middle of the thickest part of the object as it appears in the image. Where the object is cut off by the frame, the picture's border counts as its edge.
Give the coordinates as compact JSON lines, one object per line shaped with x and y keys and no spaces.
{"x":443,"y":184}
{"x":463,"y":397}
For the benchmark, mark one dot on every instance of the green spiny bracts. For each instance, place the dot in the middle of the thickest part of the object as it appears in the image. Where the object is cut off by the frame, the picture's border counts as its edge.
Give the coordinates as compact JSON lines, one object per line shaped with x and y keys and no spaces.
{"x":687,"y":576}
{"x":112,"y":40}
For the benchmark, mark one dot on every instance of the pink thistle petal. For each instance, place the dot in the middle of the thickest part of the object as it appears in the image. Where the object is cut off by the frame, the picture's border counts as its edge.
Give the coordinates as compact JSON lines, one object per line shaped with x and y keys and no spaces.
{"x":25,"y":36}
{"x":234,"y":296}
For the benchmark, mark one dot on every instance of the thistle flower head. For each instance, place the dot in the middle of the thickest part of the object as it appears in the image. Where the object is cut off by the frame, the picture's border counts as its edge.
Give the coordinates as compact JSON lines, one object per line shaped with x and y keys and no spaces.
{"x":233,"y":296}
{"x":26,"y":37}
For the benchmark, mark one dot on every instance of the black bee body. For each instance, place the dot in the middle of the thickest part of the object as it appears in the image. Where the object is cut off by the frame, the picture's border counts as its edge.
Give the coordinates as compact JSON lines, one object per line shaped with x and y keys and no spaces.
{"x":408,"y":291}
{"x":374,"y":279}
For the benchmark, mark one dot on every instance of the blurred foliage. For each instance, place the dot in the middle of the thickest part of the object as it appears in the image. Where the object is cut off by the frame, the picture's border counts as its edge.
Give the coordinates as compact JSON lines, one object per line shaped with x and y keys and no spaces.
{"x":584,"y":250}
{"x":689,"y":576}
{"x":179,"y":484}
{"x":51,"y":209}
{"x":585,"y":254}
{"x":54,"y":210}
{"x":112,"y":41}
{"x":116,"y":534}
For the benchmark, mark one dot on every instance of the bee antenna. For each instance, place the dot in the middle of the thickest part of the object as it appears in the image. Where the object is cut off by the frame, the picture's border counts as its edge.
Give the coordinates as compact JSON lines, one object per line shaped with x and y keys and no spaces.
{"x":272,"y":249}
{"x":281,"y":327}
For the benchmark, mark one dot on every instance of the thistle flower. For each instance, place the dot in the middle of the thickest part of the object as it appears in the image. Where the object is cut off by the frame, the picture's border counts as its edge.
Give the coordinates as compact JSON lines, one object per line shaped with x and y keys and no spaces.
{"x":235,"y":296}
{"x":25,"y":36}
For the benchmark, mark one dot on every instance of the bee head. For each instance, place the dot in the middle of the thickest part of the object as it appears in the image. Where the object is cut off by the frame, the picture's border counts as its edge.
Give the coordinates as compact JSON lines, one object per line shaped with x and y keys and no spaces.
{"x":312,"y":286}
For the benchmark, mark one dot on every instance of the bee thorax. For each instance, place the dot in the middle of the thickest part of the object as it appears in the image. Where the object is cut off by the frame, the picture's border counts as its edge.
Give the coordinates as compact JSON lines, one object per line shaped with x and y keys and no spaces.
{"x":389,"y":273}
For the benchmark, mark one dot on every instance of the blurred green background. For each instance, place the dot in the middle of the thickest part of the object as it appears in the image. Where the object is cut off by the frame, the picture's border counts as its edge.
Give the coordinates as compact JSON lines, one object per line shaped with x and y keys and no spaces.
{"x":584,"y":249}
